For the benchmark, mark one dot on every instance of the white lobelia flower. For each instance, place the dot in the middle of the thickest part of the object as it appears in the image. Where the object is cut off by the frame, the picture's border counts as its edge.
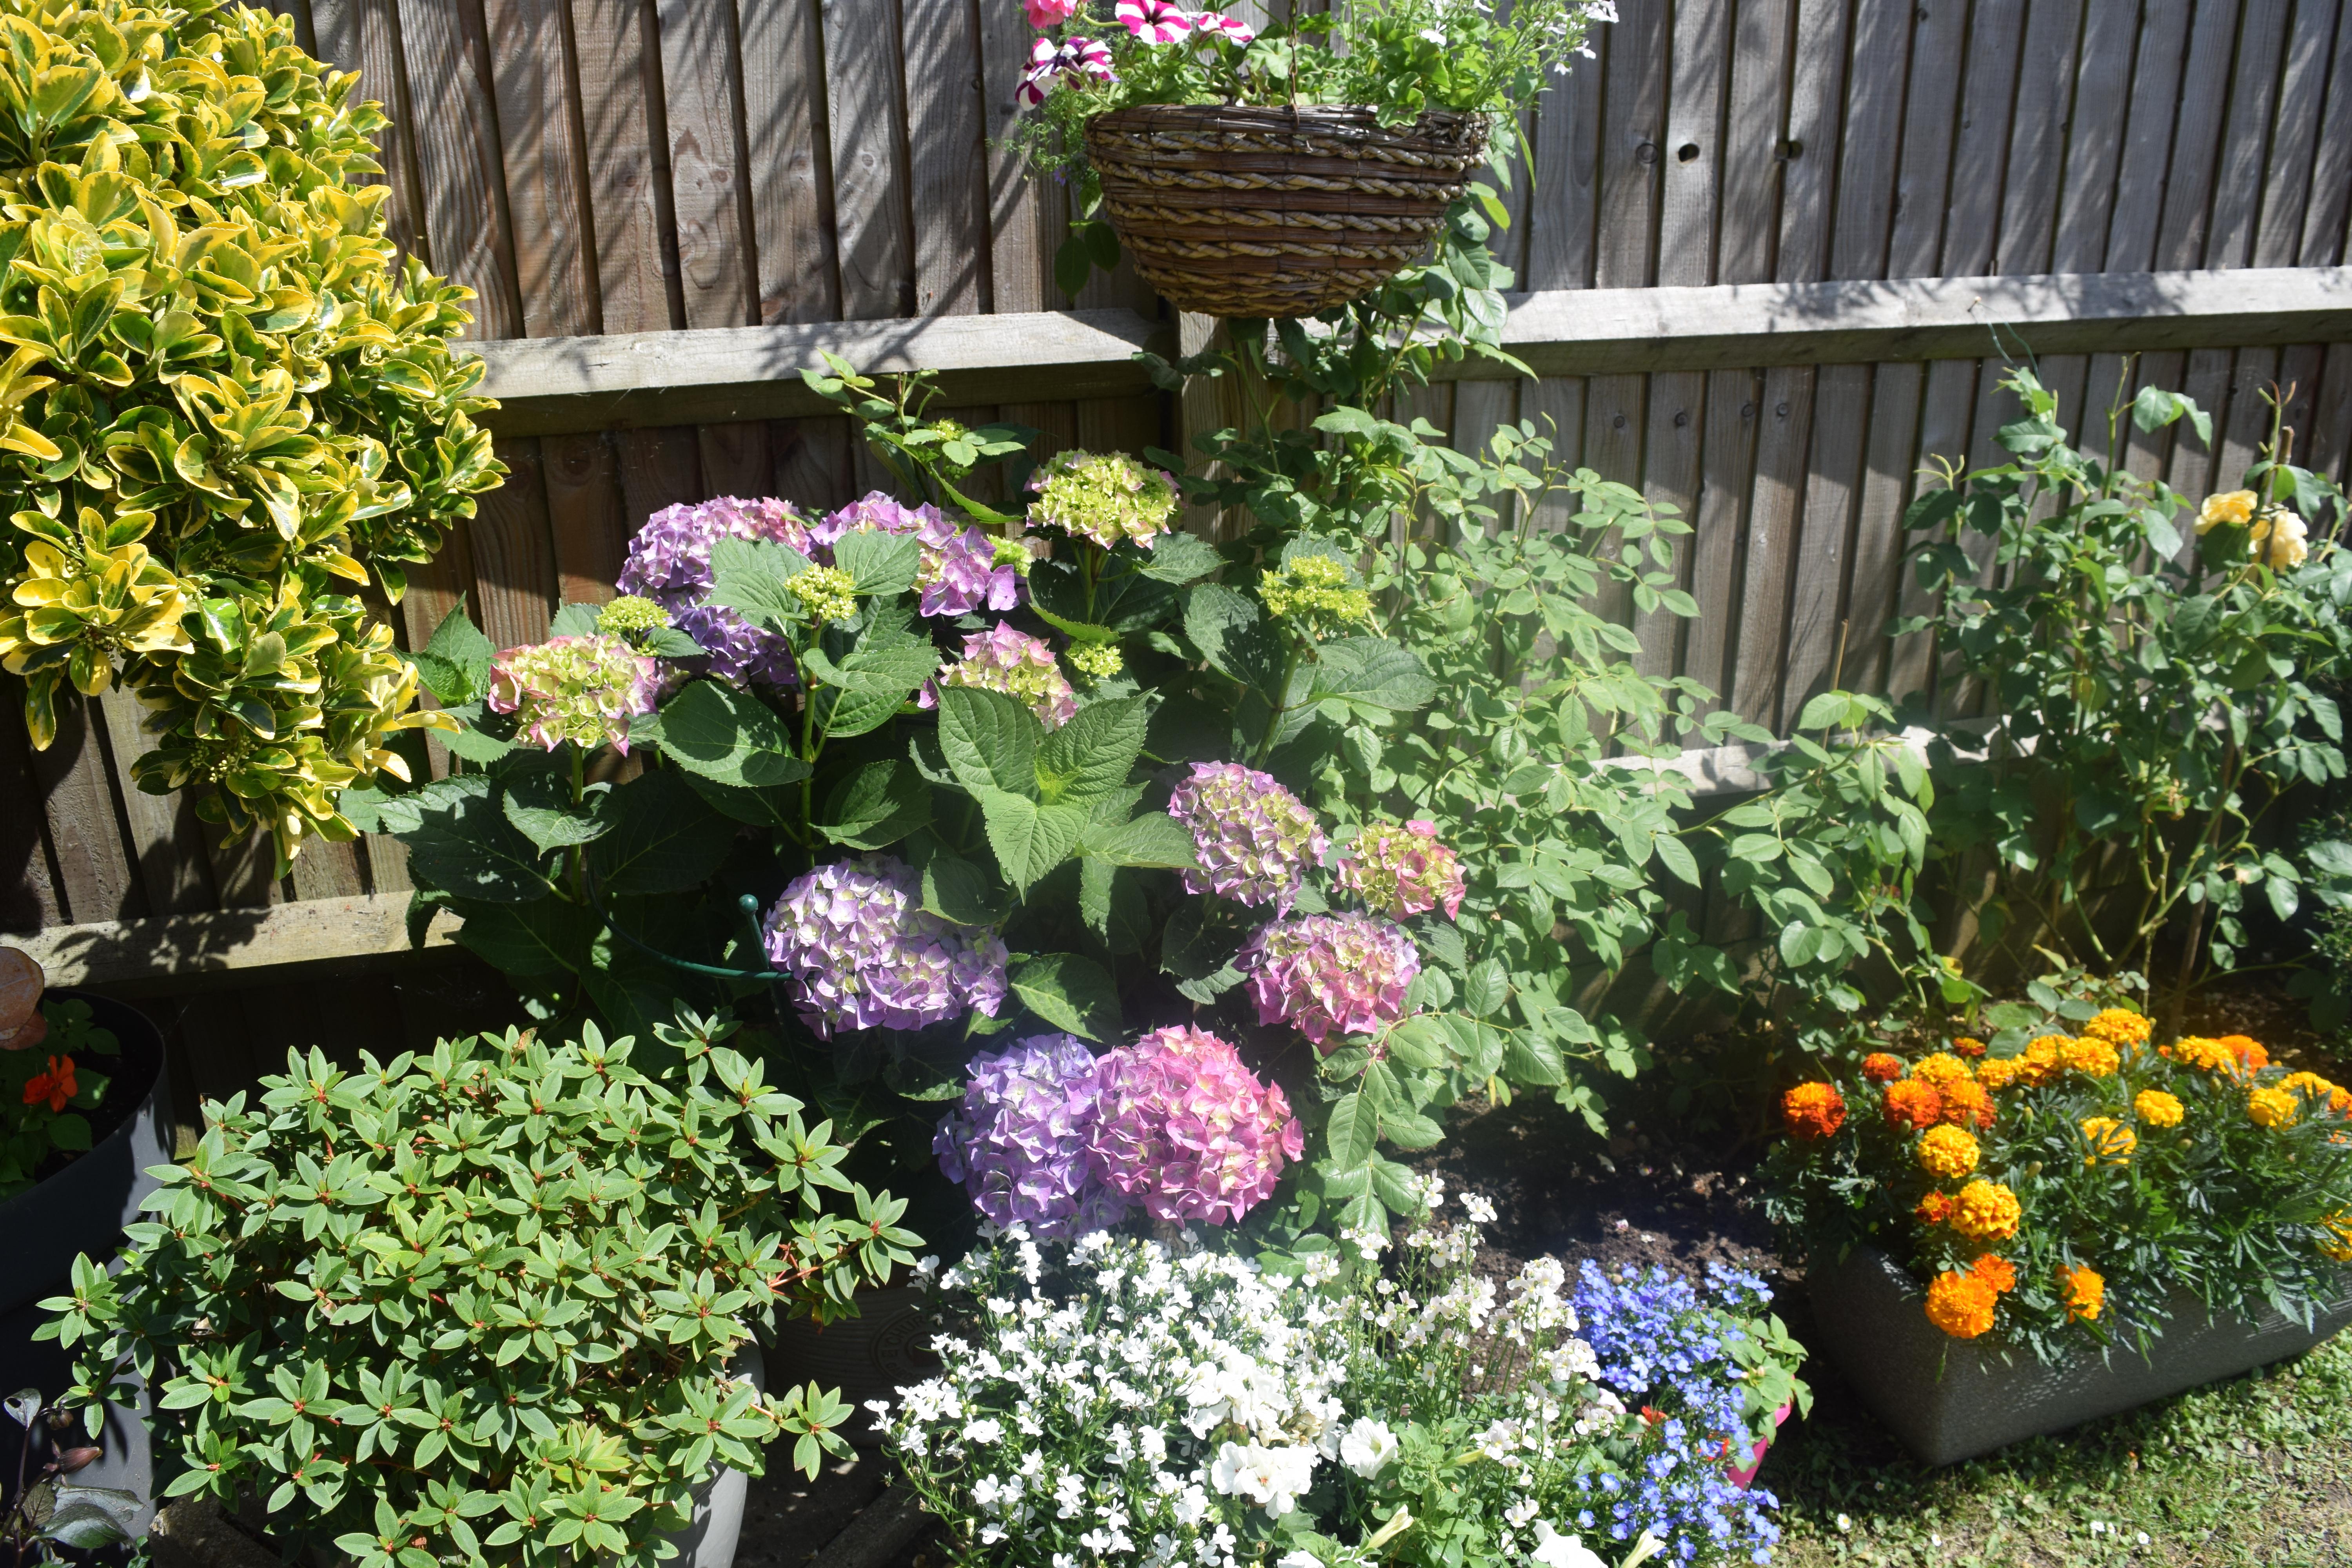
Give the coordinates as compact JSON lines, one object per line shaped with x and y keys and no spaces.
{"x":1368,"y":1446}
{"x":1554,"y":1550}
{"x":987,"y":1429}
{"x":1299,"y":1560}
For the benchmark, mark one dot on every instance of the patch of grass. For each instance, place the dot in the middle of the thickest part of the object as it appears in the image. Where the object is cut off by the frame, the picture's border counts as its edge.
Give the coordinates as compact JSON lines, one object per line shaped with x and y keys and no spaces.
{"x":2255,"y":1471}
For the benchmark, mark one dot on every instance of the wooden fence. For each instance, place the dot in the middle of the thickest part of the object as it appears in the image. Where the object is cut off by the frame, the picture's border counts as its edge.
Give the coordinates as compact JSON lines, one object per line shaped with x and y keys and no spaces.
{"x":599,"y":168}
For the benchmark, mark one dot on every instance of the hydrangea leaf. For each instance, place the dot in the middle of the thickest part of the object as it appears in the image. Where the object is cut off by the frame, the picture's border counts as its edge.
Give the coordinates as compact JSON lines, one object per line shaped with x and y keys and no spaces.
{"x":459,"y":841}
{"x":990,"y":740}
{"x":748,"y":577}
{"x":551,"y":940}
{"x":1029,"y":838}
{"x":665,"y":839}
{"x":876,"y":805}
{"x":1069,"y":993}
{"x":1093,"y":753}
{"x":730,"y":737}
{"x":1181,"y":558}
{"x":1231,"y":634}
{"x":956,"y":890}
{"x":538,"y":801}
{"x":1371,"y":672}
{"x":881,"y":564}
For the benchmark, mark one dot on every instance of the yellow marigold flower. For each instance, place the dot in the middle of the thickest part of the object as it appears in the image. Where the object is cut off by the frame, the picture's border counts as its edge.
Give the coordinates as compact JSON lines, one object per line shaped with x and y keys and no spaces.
{"x":1998,"y":1072}
{"x":2119,"y":1026}
{"x":2235,"y":508}
{"x":2091,"y":1057}
{"x":1941,"y":1070}
{"x":2273,"y":1107}
{"x":2338,"y":1227}
{"x":1987,"y":1210}
{"x":2204,"y":1054}
{"x":2157,"y":1109}
{"x":2311,"y":1085}
{"x":1947,"y":1151}
{"x":2040,"y":1061}
{"x":1933,"y":1209}
{"x":2086,"y":1291}
{"x":2110,"y":1141}
{"x":1961,"y":1304}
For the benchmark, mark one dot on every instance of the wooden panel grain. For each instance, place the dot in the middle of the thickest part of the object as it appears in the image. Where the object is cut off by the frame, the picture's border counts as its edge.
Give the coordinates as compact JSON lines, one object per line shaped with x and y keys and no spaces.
{"x":1782,"y":438}
{"x":1563,"y":187}
{"x":1816,"y":100}
{"x":2328,"y":217}
{"x":865,"y":116}
{"x":545,"y":176}
{"x":28,"y":880}
{"x":1755,"y":142}
{"x":76,"y":797}
{"x":2134,"y":221}
{"x":166,"y":843}
{"x":619,"y":74}
{"x":659,"y":468}
{"x":364,"y":36}
{"x":1819,"y":629}
{"x":513,"y":551}
{"x":2287,"y":187}
{"x":588,"y":523}
{"x":2033,"y":169}
{"x":1946,"y":404}
{"x":446,"y":55}
{"x":789,"y":171}
{"x":2246,"y":133}
{"x":1625,"y":252}
{"x":1869,"y":143}
{"x":1726,"y":463}
{"x":1675,"y":427}
{"x":1024,"y":227}
{"x":716,"y":270}
{"x":946,"y":163}
{"x":1555,"y":405}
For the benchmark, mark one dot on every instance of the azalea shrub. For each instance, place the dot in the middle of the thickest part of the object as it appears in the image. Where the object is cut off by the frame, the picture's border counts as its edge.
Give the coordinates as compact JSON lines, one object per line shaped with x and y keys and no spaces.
{"x":482,"y":1305}
{"x":1120,"y":1400}
{"x":229,"y":418}
{"x":2066,"y":1192}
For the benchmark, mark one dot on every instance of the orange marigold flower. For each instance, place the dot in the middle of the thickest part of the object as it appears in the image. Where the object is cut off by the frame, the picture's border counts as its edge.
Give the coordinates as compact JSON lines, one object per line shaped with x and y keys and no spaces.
{"x":1880,"y":1067}
{"x":2159,"y":1109}
{"x":1968,"y":1104}
{"x":2086,"y":1291}
{"x":2110,"y":1141}
{"x":1934,"y":1209}
{"x":1987,"y":1210}
{"x":1961,"y":1304}
{"x":2204,"y":1054}
{"x":56,"y":1086}
{"x":1914,"y":1104}
{"x":2272,"y":1108}
{"x":2338,"y":1227}
{"x":1947,"y":1151}
{"x":1941,"y":1070}
{"x":1998,"y":1272}
{"x":2039,"y":1064}
{"x":2118,"y":1026}
{"x":2091,"y":1057}
{"x":1813,"y":1110}
{"x":1968,"y":1046}
{"x":1998,"y":1072}
{"x":2251,"y":1056}
{"x":2311,"y":1085}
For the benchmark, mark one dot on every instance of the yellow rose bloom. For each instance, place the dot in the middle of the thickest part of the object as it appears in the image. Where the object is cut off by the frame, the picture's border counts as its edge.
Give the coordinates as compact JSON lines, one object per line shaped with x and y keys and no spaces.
{"x":2157,"y":1109}
{"x":1941,"y":1069}
{"x":1947,"y":1151}
{"x":2235,"y":508}
{"x":2272,"y":1108}
{"x":2090,"y":1056}
{"x":2110,"y":1141}
{"x":1987,"y":1210}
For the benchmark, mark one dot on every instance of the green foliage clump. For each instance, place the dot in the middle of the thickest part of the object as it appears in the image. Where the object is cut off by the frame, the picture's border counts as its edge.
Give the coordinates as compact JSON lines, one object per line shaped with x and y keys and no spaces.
{"x":479,"y":1305}
{"x":223,"y":400}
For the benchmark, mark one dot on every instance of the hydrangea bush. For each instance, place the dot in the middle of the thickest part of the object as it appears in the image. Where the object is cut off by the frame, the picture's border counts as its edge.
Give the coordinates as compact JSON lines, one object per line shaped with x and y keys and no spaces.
{"x":2063,"y":1193}
{"x":1122,"y":1401}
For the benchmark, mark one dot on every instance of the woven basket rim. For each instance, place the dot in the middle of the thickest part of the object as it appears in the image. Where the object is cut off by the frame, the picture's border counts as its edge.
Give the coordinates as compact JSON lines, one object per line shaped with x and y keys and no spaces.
{"x":1288,"y":117}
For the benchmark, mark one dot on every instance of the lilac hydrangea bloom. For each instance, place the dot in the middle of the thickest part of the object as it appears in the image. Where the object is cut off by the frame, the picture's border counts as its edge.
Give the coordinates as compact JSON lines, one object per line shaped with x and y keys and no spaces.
{"x":1662,"y":1342}
{"x":584,"y":689}
{"x":864,"y":953}
{"x":962,"y":569}
{"x":1007,"y":660}
{"x":669,"y":562}
{"x":1187,"y":1131}
{"x":1019,"y":1141}
{"x":1255,"y":839}
{"x":1403,"y":870}
{"x":1328,"y":975}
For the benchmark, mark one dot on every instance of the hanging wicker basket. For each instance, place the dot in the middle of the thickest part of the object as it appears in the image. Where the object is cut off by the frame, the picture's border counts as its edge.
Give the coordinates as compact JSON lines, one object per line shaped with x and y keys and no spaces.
{"x":1230,"y":211}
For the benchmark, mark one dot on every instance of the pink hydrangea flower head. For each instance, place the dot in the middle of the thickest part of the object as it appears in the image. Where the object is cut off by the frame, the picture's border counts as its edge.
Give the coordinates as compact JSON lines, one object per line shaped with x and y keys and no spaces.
{"x":1019,"y":1141}
{"x":1327,"y":975}
{"x":1403,"y":870}
{"x":1044,"y":14}
{"x":961,"y":570}
{"x":1004,"y":658}
{"x":864,"y":953}
{"x":1255,"y":839}
{"x":584,"y":690}
{"x":1187,"y":1131}
{"x":1155,"y":21}
{"x":1104,"y":497}
{"x":669,"y":562}
{"x":1232,"y":30}
{"x":1053,"y":66}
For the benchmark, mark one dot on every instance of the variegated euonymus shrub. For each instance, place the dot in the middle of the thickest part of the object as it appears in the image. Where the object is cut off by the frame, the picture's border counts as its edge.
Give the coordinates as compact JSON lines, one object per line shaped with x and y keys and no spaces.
{"x":479,"y":1307}
{"x":228,"y":419}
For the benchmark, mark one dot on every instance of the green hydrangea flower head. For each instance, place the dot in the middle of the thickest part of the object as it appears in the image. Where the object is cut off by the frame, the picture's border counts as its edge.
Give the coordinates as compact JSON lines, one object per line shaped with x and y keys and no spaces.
{"x":1106,"y":498}
{"x":1097,"y":660}
{"x":826,"y":593}
{"x":1312,"y":593}
{"x":631,"y":617}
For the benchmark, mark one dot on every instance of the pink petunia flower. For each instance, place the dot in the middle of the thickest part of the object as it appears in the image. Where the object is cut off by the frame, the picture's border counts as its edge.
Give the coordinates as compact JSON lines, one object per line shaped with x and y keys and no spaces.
{"x":1044,"y":14}
{"x":1232,"y":30}
{"x":1155,"y":21}
{"x":1051,"y":66}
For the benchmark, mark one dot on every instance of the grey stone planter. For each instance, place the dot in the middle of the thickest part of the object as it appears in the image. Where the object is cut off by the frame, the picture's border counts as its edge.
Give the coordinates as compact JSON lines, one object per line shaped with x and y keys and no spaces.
{"x":870,"y":1356}
{"x":1949,"y":1400}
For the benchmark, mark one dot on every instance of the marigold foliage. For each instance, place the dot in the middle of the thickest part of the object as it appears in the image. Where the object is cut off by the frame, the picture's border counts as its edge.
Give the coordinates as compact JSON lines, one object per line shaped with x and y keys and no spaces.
{"x":2111,"y":1141}
{"x":222,"y":394}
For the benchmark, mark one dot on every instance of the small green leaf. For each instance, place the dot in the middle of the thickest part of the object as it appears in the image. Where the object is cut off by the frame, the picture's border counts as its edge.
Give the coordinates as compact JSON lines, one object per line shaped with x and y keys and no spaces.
{"x":730,"y":737}
{"x":877,"y":804}
{"x":1069,"y":993}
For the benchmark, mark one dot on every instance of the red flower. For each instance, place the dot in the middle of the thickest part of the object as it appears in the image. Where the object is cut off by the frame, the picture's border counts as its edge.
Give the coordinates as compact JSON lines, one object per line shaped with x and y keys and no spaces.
{"x":56,"y":1086}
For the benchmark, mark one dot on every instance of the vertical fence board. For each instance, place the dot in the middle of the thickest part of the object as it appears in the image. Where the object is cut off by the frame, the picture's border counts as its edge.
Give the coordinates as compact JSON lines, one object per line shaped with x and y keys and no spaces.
{"x":869,"y":195}
{"x":716,"y":267}
{"x":790,"y":168}
{"x":166,"y":843}
{"x":94,"y":870}
{"x":2245,"y":136}
{"x":946,"y":159}
{"x":455,"y":123}
{"x":619,"y":71}
{"x":28,"y":886}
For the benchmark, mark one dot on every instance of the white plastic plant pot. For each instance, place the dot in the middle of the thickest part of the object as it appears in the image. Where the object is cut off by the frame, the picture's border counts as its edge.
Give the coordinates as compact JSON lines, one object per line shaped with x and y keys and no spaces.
{"x":1947,"y":1400}
{"x":709,"y":1542}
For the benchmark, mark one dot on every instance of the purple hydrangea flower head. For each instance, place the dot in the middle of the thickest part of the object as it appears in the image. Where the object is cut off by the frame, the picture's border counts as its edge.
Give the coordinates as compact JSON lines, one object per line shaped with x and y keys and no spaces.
{"x":864,"y":953}
{"x":669,"y":562}
{"x":1004,"y":658}
{"x":1403,"y":870}
{"x":1019,"y":1141}
{"x":1106,"y":498}
{"x":963,"y":569}
{"x":1187,"y":1131}
{"x":1328,"y":975}
{"x":584,"y":690}
{"x":1255,"y":839}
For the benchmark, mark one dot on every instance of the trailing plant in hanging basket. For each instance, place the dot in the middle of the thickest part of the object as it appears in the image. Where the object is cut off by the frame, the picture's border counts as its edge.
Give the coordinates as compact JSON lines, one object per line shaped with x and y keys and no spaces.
{"x":1287,"y":173}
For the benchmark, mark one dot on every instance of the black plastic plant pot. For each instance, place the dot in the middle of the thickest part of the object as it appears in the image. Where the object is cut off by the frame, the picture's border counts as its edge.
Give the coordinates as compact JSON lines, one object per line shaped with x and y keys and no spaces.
{"x":82,"y":1206}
